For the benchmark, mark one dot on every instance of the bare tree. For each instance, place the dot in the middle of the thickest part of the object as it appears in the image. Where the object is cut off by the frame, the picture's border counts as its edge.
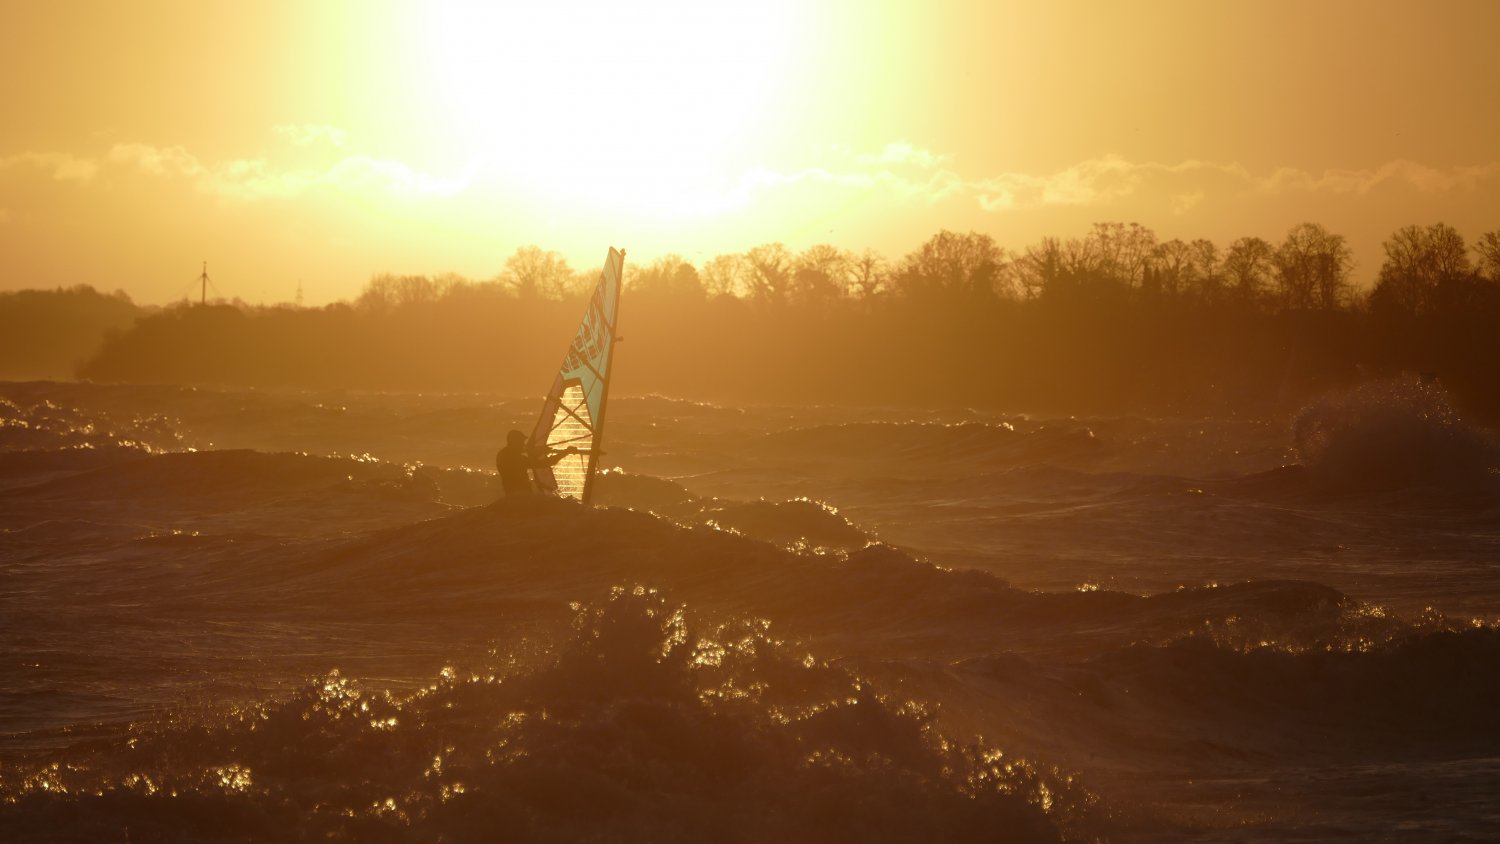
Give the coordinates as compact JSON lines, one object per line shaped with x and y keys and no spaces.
{"x":1488,"y":248}
{"x":1249,"y":264}
{"x":726,"y":275}
{"x":770,"y":274}
{"x":1082,"y":258}
{"x":533,"y":273}
{"x":867,"y":275}
{"x":386,"y":292}
{"x":1417,"y":261}
{"x":963,"y":265}
{"x":1123,"y":250}
{"x":1172,"y":265}
{"x":668,"y":276}
{"x":1312,"y":268}
{"x":416,"y":290}
{"x":450,"y":282}
{"x":821,"y":274}
{"x":1040,"y":270}
{"x":379,"y":295}
{"x":1207,"y":271}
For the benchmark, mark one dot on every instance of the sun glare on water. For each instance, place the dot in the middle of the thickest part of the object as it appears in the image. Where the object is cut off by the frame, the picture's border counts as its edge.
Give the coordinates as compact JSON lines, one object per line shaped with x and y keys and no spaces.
{"x":651,"y":107}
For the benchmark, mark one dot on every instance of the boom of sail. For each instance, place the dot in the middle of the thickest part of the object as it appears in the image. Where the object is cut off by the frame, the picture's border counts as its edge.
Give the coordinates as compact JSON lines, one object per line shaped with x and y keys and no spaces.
{"x":572,"y":417}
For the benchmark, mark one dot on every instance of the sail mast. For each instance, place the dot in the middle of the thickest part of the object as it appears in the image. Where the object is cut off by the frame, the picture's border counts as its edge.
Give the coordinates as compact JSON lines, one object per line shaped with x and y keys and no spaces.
{"x":614,"y":337}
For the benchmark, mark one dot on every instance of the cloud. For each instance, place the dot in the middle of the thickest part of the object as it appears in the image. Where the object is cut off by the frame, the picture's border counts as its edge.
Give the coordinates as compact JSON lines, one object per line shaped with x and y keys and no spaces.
{"x":899,"y":173}
{"x":1093,"y":182}
{"x":364,"y":173}
{"x":1185,"y":185}
{"x":1421,"y":177}
{"x":157,"y":161}
{"x":901,"y":152}
{"x":251,"y":179}
{"x":308,"y":134}
{"x":64,"y":167}
{"x":257,"y":178}
{"x":907,"y":172}
{"x":1101,"y":181}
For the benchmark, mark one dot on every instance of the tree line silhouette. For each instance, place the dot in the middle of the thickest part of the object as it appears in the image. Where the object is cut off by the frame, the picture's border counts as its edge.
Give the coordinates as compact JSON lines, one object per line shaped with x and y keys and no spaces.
{"x":1116,"y":320}
{"x":49,"y":333}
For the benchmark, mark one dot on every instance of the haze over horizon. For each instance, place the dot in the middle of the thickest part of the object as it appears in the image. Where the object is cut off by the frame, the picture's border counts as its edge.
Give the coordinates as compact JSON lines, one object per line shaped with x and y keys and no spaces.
{"x":320,"y":144}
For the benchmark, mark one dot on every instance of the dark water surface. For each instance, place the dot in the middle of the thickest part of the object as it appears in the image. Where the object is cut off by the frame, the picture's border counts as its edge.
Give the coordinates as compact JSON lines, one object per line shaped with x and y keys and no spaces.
{"x":242,"y":615}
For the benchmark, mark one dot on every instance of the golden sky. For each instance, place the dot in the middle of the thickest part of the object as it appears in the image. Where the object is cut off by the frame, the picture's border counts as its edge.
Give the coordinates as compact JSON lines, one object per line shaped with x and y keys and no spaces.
{"x":322,"y":142}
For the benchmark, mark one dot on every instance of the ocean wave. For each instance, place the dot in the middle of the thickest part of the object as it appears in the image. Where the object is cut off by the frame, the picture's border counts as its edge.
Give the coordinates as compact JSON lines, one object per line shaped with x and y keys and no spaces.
{"x":234,"y":474}
{"x":31,"y":466}
{"x":1408,"y":692}
{"x":45,"y":425}
{"x":638,"y":727}
{"x":966,"y":442}
{"x":656,"y":404}
{"x":643,"y":492}
{"x":1392,"y":434}
{"x":717,"y":552}
{"x":800,"y":523}
{"x":227,"y":492}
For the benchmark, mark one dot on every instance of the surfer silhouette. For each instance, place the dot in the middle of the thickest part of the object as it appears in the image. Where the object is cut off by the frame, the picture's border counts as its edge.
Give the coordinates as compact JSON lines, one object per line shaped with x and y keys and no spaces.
{"x":514,"y":463}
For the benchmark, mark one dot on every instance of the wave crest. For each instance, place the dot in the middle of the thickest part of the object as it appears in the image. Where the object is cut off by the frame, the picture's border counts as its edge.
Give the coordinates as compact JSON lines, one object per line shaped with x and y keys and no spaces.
{"x":1391,"y":434}
{"x":636,"y":726}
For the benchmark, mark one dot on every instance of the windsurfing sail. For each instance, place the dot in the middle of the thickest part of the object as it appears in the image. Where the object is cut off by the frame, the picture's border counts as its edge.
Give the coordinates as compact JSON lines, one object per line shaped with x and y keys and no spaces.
{"x":573,"y":414}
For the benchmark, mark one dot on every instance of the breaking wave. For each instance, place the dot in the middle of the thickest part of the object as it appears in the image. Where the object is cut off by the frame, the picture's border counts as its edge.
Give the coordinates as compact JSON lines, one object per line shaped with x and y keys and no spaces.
{"x":638,"y":727}
{"x":1393,"y":434}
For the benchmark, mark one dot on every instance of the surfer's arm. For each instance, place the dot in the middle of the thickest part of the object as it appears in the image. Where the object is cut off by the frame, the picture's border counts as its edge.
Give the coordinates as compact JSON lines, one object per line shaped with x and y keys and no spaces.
{"x":552,"y":457}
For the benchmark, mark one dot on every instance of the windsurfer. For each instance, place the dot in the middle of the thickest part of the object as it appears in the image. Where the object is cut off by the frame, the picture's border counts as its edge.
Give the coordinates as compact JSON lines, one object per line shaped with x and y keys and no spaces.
{"x":573,"y":412}
{"x":514,"y":463}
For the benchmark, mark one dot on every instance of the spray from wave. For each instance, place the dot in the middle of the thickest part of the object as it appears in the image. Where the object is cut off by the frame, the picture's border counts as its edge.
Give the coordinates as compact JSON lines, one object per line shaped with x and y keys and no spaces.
{"x":634,"y":726}
{"x":1393,"y":434}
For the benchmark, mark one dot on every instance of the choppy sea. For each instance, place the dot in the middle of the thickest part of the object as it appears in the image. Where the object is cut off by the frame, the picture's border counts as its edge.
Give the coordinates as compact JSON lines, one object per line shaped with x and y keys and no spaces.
{"x":245,"y":615}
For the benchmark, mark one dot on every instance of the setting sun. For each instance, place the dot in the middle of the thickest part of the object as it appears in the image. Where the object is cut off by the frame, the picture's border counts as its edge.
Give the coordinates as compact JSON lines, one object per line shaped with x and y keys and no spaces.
{"x":651,"y":108}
